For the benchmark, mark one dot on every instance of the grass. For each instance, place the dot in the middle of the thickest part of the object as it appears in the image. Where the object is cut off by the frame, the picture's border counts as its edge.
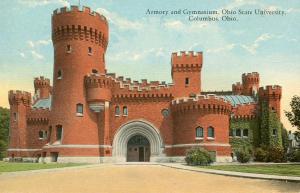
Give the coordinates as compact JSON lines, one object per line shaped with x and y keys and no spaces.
{"x":13,"y":167}
{"x":281,"y":170}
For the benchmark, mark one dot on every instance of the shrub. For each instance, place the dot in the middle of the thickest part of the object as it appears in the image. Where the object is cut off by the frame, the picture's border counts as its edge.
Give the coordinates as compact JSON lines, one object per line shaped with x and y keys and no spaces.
{"x":276,"y":154}
{"x":261,"y":155}
{"x":294,"y":156}
{"x":242,"y":155}
{"x":198,"y":156}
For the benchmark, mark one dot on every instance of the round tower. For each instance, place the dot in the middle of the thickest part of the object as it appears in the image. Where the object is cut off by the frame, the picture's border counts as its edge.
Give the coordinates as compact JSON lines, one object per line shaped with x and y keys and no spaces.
{"x":80,"y":39}
{"x":250,"y":83}
{"x":42,"y":87}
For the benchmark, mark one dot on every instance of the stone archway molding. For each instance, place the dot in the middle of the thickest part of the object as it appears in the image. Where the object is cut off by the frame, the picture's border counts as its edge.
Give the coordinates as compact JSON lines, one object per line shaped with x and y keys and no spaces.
{"x":137,"y":127}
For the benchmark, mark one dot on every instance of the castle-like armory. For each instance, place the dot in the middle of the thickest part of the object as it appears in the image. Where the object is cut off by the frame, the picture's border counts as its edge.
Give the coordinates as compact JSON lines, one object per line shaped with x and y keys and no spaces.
{"x":89,"y":115}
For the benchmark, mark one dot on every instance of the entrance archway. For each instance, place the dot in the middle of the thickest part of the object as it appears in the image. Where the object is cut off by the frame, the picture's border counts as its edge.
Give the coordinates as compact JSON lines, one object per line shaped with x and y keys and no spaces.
{"x":137,"y":128}
{"x":138,"y":149}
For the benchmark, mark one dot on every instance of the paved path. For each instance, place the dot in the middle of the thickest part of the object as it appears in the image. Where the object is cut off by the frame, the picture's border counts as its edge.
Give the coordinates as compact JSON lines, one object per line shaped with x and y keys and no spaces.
{"x":108,"y":178}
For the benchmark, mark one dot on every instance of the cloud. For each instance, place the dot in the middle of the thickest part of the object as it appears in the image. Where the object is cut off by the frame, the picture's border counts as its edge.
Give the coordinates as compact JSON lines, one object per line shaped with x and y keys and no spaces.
{"x":36,"y":55}
{"x":175,"y":24}
{"x":253,"y":47}
{"x":221,"y":49}
{"x":119,"y":21}
{"x":37,"y":43}
{"x":22,"y":54}
{"x":35,"y":3}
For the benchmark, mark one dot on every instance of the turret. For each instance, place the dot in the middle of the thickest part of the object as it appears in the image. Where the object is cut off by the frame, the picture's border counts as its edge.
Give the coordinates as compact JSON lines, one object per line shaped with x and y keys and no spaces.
{"x":250,"y":83}
{"x":42,"y":88}
{"x":186,"y":73}
{"x":272,"y":96}
{"x":80,"y":39}
{"x":20,"y":103}
{"x":237,"y":88}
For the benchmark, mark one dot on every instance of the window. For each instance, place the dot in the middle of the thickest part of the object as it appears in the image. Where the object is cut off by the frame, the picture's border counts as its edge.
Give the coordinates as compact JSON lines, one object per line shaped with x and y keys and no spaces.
{"x":90,"y":50}
{"x":211,"y":132}
{"x":199,"y":132}
{"x":15,"y":116}
{"x":59,"y":74}
{"x":125,"y":111}
{"x":245,"y":132}
{"x":50,"y":131}
{"x":230,"y":132}
{"x":69,"y":49}
{"x":45,"y":134}
{"x":58,"y":132}
{"x":41,"y":135}
{"x":79,"y":109}
{"x":238,"y":133}
{"x":94,"y":71}
{"x":187,"y":81}
{"x":274,"y":132}
{"x":117,"y":111}
{"x":165,"y":112}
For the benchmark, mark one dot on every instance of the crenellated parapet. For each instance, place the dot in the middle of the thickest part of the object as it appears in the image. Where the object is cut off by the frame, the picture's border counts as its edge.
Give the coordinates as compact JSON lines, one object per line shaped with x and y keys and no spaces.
{"x":38,"y":116}
{"x":237,"y":88}
{"x":17,"y":97}
{"x":270,"y":92}
{"x":42,"y":87}
{"x":250,"y":83}
{"x":79,"y":24}
{"x":202,"y":103}
{"x":186,"y":61}
{"x":244,"y":111}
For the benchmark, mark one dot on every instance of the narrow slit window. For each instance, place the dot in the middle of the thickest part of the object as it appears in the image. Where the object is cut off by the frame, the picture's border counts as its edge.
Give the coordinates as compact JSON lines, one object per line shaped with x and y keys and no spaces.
{"x":187,"y":81}
{"x":90,"y":50}
{"x":79,"y":109}
{"x":69,"y":49}
{"x":125,"y":111}
{"x":58,"y":132}
{"x":59,"y":74}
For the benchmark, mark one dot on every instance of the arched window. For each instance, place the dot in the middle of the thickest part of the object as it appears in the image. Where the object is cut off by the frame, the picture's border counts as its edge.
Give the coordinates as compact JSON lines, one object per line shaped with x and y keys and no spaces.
{"x":199,"y":132}
{"x":94,"y":71}
{"x":59,"y":74}
{"x":117,"y":111}
{"x":79,"y":109}
{"x":125,"y":111}
{"x":211,"y":132}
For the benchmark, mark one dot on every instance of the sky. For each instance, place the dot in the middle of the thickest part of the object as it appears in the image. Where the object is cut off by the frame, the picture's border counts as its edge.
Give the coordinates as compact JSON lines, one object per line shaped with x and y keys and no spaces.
{"x":140,"y":44}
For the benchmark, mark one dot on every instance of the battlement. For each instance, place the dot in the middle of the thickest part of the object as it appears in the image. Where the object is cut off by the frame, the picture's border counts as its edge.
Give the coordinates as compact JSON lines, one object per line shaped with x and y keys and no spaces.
{"x":41,"y":82}
{"x":253,"y":77}
{"x":76,"y":9}
{"x":38,"y":115}
{"x":207,"y":103}
{"x":187,"y":59}
{"x":237,"y":88}
{"x":98,"y":80}
{"x":17,"y":97}
{"x":275,"y":90}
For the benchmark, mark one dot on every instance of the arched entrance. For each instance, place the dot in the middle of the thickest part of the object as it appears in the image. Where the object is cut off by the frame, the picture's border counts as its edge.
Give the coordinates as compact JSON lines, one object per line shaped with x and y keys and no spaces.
{"x":138,"y":149}
{"x":144,"y":129}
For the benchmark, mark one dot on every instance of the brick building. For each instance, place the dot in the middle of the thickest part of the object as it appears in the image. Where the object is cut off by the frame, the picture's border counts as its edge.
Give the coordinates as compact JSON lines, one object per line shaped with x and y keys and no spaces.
{"x":89,"y":115}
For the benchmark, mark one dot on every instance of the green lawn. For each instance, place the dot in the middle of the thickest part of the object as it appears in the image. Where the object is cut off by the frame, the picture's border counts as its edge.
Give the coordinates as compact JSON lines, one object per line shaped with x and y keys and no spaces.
{"x":283,"y":170}
{"x":13,"y":167}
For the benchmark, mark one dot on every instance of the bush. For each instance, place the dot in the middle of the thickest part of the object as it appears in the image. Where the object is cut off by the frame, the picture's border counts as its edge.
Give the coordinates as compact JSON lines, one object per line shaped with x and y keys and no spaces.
{"x":198,"y":156}
{"x":276,"y":154}
{"x":294,"y":156}
{"x":242,"y":155}
{"x":261,"y":155}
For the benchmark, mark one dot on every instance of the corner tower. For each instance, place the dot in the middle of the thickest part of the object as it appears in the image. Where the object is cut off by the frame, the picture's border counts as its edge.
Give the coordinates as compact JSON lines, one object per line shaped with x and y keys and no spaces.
{"x":80,"y":39}
{"x":186,"y":73}
{"x":250,"y":83}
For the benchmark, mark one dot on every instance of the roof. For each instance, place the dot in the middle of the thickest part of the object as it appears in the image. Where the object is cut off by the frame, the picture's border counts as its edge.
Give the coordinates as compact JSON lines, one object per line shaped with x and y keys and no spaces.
{"x":43,"y":103}
{"x":238,"y":99}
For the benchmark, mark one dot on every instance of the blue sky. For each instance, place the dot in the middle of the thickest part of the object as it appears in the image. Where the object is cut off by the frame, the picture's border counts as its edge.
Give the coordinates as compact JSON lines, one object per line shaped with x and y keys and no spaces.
{"x":140,"y":45}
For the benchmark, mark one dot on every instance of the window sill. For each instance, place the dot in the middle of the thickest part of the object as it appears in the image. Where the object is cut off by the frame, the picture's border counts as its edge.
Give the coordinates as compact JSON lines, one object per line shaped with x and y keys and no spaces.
{"x":125,"y":115}
{"x":90,"y":54}
{"x":117,"y":115}
{"x":210,"y":138}
{"x":79,"y":114}
{"x":199,"y":138}
{"x":57,"y":142}
{"x":68,"y":52}
{"x":59,"y":78}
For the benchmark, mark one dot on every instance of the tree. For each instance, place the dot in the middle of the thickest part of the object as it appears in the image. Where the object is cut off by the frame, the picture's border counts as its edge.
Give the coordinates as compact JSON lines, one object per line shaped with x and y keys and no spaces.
{"x":294,"y":115}
{"x":4,"y":129}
